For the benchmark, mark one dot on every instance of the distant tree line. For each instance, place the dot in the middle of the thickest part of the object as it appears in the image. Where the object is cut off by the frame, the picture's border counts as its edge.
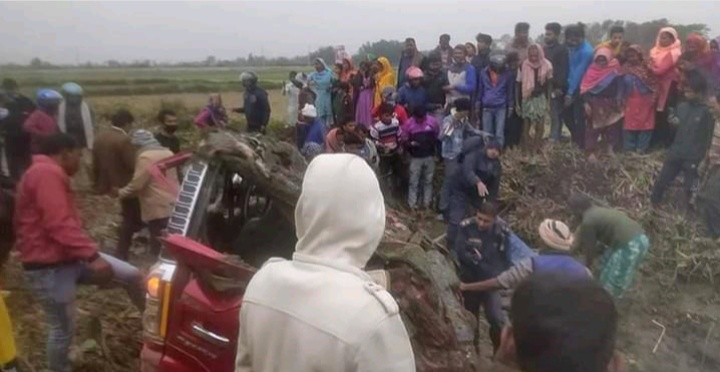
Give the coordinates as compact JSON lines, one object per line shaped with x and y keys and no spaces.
{"x":640,"y":33}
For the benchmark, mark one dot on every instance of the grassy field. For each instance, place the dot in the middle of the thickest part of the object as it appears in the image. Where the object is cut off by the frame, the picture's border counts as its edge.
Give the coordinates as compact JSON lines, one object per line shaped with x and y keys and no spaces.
{"x":147,"y":81}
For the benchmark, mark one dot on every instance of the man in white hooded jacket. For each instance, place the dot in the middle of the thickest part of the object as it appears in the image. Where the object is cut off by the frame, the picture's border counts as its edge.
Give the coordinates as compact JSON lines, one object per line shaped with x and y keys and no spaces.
{"x":321,"y":312}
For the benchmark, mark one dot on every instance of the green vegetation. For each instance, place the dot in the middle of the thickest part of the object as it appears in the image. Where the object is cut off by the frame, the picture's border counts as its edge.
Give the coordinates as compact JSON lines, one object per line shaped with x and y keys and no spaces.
{"x":146,"y":81}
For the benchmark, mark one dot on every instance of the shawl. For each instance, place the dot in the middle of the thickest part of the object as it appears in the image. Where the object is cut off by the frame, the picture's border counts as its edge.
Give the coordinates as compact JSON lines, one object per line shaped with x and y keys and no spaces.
{"x":528,"y":68}
{"x":384,"y":78}
{"x":659,"y":54}
{"x":641,"y":71}
{"x":597,"y":74}
{"x":702,"y":56}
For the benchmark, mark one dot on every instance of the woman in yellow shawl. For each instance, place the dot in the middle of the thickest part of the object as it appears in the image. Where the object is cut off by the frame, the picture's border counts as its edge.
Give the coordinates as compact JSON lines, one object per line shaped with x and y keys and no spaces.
{"x":384,"y":77}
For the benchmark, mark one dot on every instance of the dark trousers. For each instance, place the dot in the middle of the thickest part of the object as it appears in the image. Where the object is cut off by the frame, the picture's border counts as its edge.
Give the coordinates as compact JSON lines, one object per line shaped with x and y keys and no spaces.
{"x":575,"y":121}
{"x":131,"y":223}
{"x":17,"y":153}
{"x":671,"y":169}
{"x":459,"y":208}
{"x":492,"y":306}
{"x":157,"y":228}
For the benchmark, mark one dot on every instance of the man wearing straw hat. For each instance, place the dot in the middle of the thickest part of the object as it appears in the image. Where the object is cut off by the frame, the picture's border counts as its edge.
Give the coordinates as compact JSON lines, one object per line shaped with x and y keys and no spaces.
{"x":554,"y":259}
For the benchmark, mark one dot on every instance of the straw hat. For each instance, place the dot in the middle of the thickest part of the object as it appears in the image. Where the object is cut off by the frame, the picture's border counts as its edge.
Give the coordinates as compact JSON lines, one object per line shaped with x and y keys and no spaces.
{"x":556,"y":234}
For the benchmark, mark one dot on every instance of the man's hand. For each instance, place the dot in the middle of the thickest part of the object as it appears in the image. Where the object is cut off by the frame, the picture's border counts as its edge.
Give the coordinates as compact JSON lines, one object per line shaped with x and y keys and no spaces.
{"x":568,"y":101}
{"x":482,"y":189}
{"x":100,"y":271}
{"x":463,"y":287}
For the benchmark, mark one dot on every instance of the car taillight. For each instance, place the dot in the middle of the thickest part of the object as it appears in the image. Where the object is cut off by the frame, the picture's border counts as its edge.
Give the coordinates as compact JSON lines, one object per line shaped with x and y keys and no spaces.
{"x":157,"y":301}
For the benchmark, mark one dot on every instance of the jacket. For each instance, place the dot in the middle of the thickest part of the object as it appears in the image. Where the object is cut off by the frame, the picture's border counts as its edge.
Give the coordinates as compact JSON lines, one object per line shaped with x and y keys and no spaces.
{"x":483,"y":255}
{"x":19,"y":109}
{"x":410,"y":97}
{"x":453,"y":134}
{"x":39,"y":125}
{"x":476,"y":167}
{"x":557,"y":54}
{"x":82,"y":127}
{"x":156,"y":200}
{"x":257,"y":107}
{"x":480,"y":61}
{"x":693,"y":137}
{"x":169,"y":141}
{"x":420,"y":137}
{"x":113,"y":160}
{"x":579,"y":60}
{"x":47,"y":225}
{"x":320,"y":311}
{"x":464,"y":83}
{"x":417,"y":60}
{"x":496,"y":96}
{"x":434,"y":84}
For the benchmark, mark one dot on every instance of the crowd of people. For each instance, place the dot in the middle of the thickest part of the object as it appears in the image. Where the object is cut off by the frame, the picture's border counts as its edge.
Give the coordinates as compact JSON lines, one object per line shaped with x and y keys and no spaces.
{"x":461,"y":105}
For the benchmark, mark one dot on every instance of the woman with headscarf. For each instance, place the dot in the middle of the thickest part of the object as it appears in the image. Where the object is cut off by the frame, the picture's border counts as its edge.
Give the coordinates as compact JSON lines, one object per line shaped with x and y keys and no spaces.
{"x":600,"y":93}
{"x":470,"y":51}
{"x":320,"y":82}
{"x":639,"y":89}
{"x":363,"y":92}
{"x":212,"y":115}
{"x":535,"y":78}
{"x":663,"y":63}
{"x":704,"y":58}
{"x":384,"y":77}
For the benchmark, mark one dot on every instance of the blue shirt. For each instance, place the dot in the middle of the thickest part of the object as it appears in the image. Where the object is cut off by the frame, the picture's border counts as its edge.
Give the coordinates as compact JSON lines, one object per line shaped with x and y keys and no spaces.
{"x":452,"y":138}
{"x":316,"y":133}
{"x":412,"y":97}
{"x":580,"y":59}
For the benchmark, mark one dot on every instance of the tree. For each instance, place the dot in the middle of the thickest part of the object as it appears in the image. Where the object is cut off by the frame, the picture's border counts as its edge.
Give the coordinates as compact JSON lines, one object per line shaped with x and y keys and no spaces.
{"x":36,"y":63}
{"x":643,"y":34}
{"x":327,"y":53}
{"x":210,"y":61}
{"x":383,"y":48}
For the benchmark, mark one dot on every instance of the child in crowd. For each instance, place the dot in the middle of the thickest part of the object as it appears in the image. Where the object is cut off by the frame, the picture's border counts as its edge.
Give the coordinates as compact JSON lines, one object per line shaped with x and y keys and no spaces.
{"x":694,"y":133}
{"x":389,"y":95}
{"x":386,"y":134}
{"x":419,"y":137}
{"x":495,"y":92}
{"x":455,"y":128}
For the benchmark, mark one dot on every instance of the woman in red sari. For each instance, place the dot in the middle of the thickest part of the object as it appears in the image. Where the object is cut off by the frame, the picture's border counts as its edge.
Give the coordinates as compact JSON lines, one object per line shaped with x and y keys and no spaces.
{"x":600,"y":90}
{"x":639,"y":89}
{"x":663,"y":63}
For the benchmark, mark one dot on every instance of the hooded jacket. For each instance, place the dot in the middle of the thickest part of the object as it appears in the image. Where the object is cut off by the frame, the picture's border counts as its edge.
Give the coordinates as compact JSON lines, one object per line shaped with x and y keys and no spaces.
{"x":321,"y":311}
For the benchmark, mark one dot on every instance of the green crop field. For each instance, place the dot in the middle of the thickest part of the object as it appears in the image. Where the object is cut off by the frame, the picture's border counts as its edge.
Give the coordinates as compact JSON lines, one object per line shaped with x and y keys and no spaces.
{"x":147,"y":81}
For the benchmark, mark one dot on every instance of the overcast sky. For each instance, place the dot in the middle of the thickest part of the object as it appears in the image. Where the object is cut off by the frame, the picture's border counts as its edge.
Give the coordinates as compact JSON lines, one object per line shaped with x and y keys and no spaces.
{"x":69,"y":32}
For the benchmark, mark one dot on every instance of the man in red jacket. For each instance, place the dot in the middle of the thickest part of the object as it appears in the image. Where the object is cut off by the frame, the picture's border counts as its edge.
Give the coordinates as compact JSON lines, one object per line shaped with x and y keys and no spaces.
{"x":55,"y":250}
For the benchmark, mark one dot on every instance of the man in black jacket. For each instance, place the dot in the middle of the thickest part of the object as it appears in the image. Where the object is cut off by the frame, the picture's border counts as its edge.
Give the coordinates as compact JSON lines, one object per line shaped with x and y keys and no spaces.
{"x":17,"y":141}
{"x":557,"y":54}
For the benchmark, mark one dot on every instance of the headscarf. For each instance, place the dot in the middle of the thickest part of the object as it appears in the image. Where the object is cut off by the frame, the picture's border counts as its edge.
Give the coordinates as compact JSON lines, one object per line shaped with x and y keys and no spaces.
{"x":702,"y":56}
{"x":597,"y":74}
{"x":347,"y":73}
{"x":642,"y":70}
{"x":217,"y":111}
{"x":528,"y":68}
{"x":659,"y":54}
{"x":384,"y":78}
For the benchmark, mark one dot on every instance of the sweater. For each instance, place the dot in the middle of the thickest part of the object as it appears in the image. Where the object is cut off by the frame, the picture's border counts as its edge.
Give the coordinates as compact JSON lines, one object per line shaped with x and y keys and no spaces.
{"x":156,"y":200}
{"x":608,"y":227}
{"x":558,"y":55}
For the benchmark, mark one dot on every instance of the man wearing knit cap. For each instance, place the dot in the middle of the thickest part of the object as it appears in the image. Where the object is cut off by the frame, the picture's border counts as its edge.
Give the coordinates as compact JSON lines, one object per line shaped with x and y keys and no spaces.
{"x":554,"y":259}
{"x":156,"y":191}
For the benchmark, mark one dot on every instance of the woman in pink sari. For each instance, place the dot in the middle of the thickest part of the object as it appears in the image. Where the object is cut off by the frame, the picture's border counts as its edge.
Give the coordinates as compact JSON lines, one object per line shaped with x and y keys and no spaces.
{"x":663,"y":63}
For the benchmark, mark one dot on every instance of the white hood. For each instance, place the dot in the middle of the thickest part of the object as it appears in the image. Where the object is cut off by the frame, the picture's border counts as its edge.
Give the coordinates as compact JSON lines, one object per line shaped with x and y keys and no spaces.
{"x":340,"y":216}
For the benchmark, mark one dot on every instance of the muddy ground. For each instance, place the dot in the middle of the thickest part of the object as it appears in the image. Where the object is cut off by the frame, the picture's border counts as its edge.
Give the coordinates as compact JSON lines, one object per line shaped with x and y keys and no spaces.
{"x":109,"y":336}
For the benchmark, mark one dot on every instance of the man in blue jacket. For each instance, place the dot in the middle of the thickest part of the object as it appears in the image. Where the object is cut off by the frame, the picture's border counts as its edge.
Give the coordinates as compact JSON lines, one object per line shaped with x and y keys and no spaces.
{"x":477,"y":179}
{"x":485,"y":249}
{"x":581,"y":56}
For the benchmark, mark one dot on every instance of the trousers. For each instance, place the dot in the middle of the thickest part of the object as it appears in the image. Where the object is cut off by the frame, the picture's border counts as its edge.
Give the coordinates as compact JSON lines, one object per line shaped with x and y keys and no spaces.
{"x":56,"y":287}
{"x":421,"y":170}
{"x":672,"y":167}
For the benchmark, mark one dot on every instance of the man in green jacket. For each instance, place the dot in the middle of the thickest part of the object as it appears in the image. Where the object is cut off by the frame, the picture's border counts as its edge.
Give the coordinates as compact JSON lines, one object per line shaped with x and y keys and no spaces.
{"x":610,"y":234}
